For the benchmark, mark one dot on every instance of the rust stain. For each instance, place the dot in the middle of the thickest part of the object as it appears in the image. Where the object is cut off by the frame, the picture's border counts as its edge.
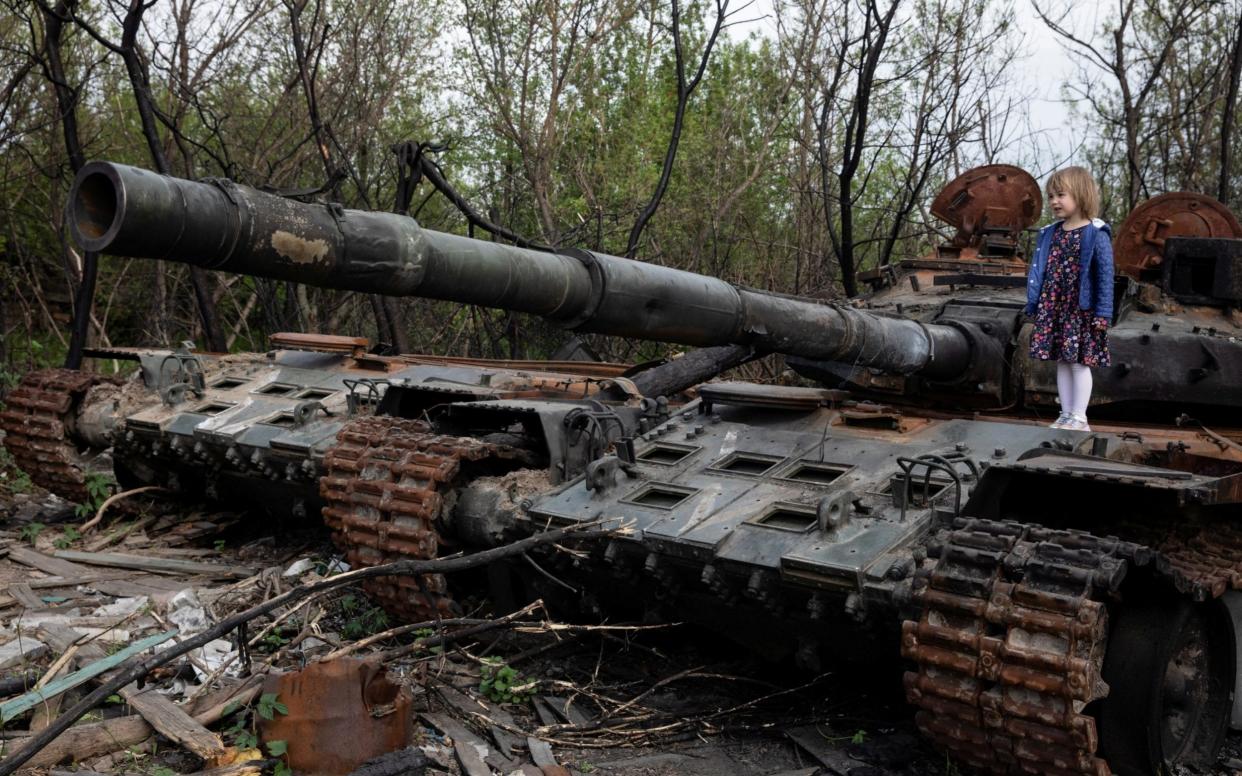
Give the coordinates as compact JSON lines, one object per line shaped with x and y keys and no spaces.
{"x":297,"y":249}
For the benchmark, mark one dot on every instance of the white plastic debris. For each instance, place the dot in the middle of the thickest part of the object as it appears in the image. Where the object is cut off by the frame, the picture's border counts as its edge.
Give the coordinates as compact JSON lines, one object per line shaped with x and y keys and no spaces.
{"x":121,"y":607}
{"x":185,"y":611}
{"x":299,"y":567}
{"x":336,"y":566}
{"x":214,"y":654}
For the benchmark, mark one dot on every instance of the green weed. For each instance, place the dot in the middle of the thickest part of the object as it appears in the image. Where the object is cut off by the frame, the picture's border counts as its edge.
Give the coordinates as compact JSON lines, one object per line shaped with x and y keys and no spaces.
{"x":503,"y":683}
{"x":30,"y":532}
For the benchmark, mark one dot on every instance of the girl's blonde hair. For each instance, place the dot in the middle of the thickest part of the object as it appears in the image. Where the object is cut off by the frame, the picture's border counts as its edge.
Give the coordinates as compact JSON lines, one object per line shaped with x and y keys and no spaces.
{"x":1079,"y":184}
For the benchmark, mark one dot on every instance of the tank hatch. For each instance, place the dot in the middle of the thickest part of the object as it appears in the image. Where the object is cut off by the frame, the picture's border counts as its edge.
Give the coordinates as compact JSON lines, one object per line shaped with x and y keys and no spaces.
{"x":1139,"y":245}
{"x":781,"y":397}
{"x":989,"y":206}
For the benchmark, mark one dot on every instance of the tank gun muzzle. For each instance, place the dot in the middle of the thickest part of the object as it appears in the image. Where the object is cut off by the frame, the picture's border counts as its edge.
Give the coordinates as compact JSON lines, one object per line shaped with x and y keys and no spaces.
{"x":221,"y":225}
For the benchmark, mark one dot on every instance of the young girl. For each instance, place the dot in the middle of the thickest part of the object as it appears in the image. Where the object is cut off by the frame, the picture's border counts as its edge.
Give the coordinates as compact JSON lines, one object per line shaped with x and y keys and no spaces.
{"x":1069,"y":291}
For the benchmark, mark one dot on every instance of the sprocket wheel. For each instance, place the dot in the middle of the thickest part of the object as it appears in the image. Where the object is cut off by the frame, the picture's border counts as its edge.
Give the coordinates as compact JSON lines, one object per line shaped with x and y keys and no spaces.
{"x":1170,"y":665}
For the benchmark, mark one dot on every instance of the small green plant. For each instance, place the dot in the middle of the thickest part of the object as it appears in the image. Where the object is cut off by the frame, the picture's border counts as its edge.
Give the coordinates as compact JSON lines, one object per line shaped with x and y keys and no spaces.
{"x":162,"y":771}
{"x":30,"y":532}
{"x":98,"y":488}
{"x":12,"y":479}
{"x":218,"y":544}
{"x":269,"y":706}
{"x":361,"y":619}
{"x":503,"y":683}
{"x":859,"y":737}
{"x":67,"y":538}
{"x":273,"y":641}
{"x":244,"y":729}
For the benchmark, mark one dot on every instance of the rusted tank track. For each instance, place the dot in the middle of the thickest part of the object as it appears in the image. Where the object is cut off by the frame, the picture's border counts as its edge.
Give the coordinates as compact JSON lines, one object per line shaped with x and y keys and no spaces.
{"x":34,"y":423}
{"x":386,"y":482}
{"x":1013,"y":629}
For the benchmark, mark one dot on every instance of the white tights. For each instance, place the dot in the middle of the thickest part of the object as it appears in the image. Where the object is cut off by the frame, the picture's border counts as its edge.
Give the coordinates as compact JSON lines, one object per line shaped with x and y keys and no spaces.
{"x":1074,"y":388}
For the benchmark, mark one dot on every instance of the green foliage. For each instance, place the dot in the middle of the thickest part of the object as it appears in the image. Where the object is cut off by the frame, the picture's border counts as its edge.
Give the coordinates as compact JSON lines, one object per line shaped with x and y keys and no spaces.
{"x":273,"y":641}
{"x":269,"y":706}
{"x":859,"y":737}
{"x":30,"y":532}
{"x":12,"y":479}
{"x":98,"y":488}
{"x":503,"y":683}
{"x":243,"y":731}
{"x":67,"y":538}
{"x":360,"y":618}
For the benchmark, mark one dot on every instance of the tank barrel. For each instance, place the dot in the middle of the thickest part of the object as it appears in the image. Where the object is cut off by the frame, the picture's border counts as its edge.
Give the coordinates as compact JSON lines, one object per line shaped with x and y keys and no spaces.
{"x":220,"y":225}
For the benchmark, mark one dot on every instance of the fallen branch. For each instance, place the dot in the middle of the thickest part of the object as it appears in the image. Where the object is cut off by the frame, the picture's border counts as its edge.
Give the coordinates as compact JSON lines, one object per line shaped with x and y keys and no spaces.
{"x":99,"y":738}
{"x":99,"y":513}
{"x":137,"y":670}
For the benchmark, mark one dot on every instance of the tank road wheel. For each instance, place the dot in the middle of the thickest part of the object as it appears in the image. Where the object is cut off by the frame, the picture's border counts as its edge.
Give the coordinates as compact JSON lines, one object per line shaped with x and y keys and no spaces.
{"x":1169,"y":666}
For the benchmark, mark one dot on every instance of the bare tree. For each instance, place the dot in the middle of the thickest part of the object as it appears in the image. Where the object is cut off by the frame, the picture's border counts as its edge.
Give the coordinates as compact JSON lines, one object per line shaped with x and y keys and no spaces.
{"x":1134,"y":61}
{"x":865,"y":62}
{"x":685,"y":88}
{"x":1228,"y":113}
{"x":140,"y":83}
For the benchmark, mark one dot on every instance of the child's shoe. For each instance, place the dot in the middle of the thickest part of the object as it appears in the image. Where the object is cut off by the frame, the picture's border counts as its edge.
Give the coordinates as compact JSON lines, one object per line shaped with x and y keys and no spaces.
{"x":1076,"y":423}
{"x":1061,"y":420}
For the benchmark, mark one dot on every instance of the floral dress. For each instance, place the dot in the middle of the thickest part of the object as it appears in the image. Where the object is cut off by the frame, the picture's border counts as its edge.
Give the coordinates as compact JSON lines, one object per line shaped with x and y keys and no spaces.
{"x":1063,"y":330}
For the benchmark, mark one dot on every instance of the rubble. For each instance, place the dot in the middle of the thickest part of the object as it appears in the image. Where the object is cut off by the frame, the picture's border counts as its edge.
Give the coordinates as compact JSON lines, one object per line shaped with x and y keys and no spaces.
{"x":264,"y":680}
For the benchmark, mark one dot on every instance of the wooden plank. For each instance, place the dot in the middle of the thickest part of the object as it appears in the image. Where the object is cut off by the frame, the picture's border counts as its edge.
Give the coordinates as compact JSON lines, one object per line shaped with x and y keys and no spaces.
{"x":833,"y":758}
{"x":544,"y":712}
{"x":74,"y":581}
{"x":565,"y":708}
{"x":125,"y":587}
{"x":165,"y":716}
{"x":166,"y":565}
{"x":24,"y":703}
{"x":175,"y":723}
{"x":465,"y":744}
{"x":236,"y":769}
{"x":22,"y":593}
{"x":477,"y":707}
{"x":99,"y":738}
{"x":540,"y":752}
{"x":45,"y":563}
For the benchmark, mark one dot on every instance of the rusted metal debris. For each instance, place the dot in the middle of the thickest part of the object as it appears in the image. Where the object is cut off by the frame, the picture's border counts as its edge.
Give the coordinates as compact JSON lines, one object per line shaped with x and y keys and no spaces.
{"x":989,"y":206}
{"x":341,"y":713}
{"x":1140,"y":241}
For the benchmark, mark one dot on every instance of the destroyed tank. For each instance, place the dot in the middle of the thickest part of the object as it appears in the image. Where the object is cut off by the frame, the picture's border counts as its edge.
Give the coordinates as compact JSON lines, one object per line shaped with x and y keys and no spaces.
{"x":1065,"y":599}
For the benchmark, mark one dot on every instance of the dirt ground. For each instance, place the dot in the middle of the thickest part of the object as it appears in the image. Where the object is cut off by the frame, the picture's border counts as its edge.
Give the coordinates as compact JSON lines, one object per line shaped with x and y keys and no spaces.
{"x":625,"y":700}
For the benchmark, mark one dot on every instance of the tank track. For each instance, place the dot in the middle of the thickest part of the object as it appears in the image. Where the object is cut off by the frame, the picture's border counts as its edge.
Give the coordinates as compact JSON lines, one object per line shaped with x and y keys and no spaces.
{"x":34,"y":420}
{"x":1012,"y":632}
{"x":386,"y":482}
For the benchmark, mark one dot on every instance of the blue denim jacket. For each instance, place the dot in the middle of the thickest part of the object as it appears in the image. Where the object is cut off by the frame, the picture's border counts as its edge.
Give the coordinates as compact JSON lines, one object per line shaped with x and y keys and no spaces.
{"x":1095,"y":278}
